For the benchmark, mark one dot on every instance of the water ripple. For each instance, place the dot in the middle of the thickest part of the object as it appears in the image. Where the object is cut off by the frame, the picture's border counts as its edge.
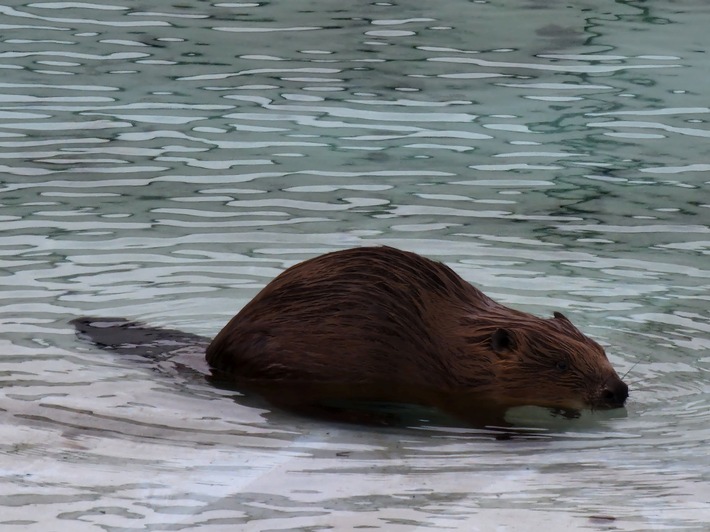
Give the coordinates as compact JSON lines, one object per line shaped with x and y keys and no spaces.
{"x":166,"y":163}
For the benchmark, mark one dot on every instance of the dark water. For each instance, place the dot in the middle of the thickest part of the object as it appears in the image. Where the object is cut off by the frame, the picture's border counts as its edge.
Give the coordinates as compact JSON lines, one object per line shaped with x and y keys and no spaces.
{"x":163,"y":161}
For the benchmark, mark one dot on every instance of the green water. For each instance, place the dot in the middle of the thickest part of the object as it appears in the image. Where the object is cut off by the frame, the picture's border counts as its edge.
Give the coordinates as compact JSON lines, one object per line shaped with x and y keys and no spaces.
{"x":163,"y":161}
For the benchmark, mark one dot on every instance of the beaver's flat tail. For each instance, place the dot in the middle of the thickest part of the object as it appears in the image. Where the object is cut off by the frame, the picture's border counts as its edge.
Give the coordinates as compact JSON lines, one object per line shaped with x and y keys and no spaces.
{"x":123,"y":336}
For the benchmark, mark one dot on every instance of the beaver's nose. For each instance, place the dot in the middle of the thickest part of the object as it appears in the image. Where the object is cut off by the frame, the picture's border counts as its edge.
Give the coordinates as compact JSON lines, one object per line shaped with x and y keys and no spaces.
{"x":615,"y":392}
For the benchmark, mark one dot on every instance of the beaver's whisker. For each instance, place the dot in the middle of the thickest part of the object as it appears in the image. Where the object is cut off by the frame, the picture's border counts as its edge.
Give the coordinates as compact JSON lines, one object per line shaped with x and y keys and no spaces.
{"x":629,"y":370}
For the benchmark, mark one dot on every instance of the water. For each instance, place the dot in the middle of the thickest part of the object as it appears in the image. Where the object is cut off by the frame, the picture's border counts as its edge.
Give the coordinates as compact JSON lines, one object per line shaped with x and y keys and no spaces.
{"x":164,"y":161}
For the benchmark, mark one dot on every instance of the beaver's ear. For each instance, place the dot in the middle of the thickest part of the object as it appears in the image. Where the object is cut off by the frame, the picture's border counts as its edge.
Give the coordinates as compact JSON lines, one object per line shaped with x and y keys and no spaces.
{"x":566,"y":325}
{"x":560,"y":316}
{"x":502,"y":341}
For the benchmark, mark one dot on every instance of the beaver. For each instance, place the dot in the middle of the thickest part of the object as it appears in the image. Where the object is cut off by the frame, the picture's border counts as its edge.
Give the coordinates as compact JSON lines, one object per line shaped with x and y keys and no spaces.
{"x":379,"y":323}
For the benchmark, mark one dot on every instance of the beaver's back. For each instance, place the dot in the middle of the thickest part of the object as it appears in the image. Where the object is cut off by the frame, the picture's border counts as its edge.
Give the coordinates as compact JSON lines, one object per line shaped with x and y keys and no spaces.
{"x":354,"y":316}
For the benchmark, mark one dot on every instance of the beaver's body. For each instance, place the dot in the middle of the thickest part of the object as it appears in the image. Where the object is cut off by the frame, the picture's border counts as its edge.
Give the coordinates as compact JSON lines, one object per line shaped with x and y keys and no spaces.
{"x":380,"y":323}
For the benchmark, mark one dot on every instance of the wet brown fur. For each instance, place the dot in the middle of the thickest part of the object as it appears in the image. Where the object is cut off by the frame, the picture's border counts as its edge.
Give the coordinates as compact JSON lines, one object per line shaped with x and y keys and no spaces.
{"x":386,"y":324}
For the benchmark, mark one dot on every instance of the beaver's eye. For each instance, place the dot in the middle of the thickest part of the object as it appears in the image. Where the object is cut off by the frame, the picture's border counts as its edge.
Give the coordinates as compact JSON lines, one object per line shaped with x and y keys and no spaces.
{"x":562,"y":365}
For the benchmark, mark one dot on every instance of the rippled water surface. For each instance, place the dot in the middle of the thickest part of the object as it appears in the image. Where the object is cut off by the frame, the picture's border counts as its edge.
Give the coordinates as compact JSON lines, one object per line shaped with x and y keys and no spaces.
{"x":163,"y":161}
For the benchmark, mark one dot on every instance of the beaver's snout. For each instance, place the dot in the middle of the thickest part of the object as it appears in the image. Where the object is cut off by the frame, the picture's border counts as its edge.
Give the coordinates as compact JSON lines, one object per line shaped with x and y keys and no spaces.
{"x":614,"y":393}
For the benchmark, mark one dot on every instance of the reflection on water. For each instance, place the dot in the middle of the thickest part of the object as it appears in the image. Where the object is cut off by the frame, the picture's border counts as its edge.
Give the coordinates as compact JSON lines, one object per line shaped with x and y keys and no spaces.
{"x":163,"y":162}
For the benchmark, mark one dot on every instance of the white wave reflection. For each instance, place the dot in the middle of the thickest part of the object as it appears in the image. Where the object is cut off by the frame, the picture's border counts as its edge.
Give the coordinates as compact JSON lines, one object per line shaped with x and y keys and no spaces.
{"x":508,"y":182}
{"x":248,"y":29}
{"x":676,"y":169}
{"x":656,"y":112}
{"x":58,"y":87}
{"x":652,"y":125}
{"x":106,"y":57}
{"x":588,"y":69}
{"x":688,"y":323}
{"x":343,"y":112}
{"x":310,"y":205}
{"x":77,"y":5}
{"x":67,"y":126}
{"x":251,"y":72}
{"x":517,"y":128}
{"x":645,"y":228}
{"x":510,"y":167}
{"x":398,"y":22}
{"x":11,"y":12}
{"x":409,"y":103}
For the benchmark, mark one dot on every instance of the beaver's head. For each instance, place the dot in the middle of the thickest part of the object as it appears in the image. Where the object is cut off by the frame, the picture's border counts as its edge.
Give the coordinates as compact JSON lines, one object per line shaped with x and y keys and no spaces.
{"x":551,"y":363}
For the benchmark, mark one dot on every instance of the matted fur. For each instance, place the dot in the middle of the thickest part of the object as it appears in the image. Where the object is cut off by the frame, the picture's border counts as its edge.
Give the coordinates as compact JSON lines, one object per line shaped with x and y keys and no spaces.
{"x":378,"y":318}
